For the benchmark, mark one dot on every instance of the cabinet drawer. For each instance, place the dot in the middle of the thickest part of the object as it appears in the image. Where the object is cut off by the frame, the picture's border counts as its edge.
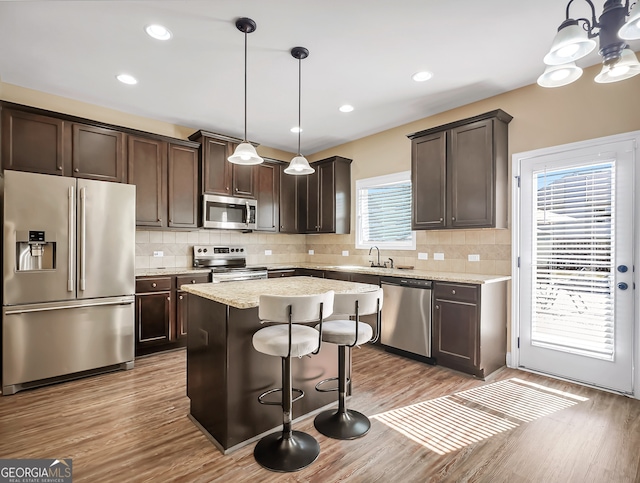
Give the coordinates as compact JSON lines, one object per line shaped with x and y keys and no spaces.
{"x":457,"y":292}
{"x":153,"y":284}
{"x":189,"y":279}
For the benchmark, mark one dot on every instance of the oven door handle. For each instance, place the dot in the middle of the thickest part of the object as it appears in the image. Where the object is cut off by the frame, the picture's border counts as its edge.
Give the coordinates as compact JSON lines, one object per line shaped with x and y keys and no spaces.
{"x":248,"y":212}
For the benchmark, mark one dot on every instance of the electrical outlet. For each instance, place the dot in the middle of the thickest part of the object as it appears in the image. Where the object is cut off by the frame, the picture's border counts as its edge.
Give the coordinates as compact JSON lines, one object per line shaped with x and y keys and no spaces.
{"x":312,"y":252}
{"x":158,"y":254}
{"x":423,"y":256}
{"x":267,"y":252}
{"x":474,"y":258}
{"x":438,"y":256}
{"x":345,"y":253}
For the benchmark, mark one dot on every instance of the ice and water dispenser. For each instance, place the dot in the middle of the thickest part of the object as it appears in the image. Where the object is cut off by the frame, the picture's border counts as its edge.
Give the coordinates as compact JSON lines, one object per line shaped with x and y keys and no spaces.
{"x":35,"y":251}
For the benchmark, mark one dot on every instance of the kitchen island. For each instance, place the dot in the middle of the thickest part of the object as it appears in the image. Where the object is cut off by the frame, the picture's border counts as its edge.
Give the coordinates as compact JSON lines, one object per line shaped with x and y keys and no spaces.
{"x":225,"y":374}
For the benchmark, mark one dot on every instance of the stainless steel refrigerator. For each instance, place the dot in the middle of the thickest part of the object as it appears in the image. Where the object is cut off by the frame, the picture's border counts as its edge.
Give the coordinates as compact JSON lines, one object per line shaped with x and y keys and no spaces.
{"x":69,"y":278}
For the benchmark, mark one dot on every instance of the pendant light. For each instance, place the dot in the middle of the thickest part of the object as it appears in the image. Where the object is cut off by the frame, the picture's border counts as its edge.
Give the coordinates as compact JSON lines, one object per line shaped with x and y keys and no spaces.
{"x":299,"y":165}
{"x":245,"y":153}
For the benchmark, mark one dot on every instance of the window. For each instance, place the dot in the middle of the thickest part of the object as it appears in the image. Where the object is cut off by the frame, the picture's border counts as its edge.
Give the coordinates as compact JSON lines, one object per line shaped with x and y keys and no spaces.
{"x":383,"y":212}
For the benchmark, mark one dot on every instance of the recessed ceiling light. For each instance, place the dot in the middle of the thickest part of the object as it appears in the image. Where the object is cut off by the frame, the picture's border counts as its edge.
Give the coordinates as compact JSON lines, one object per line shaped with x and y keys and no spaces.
{"x":422,"y":76}
{"x":157,"y":31}
{"x":296,"y":129}
{"x":127,"y":79}
{"x":346,"y":108}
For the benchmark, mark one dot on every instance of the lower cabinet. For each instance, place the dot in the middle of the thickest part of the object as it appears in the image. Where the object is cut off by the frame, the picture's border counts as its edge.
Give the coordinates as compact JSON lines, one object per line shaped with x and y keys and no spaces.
{"x":470,"y":326}
{"x":281,"y":272}
{"x":161,"y":312}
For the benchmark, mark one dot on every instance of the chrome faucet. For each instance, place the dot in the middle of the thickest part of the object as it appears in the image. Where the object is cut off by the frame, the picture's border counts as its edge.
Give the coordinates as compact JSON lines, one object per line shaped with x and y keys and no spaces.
{"x":378,"y":250}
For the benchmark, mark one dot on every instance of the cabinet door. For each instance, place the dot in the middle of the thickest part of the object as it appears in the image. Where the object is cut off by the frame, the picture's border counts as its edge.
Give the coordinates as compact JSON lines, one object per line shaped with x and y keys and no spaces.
{"x":267,"y":180}
{"x":31,"y":142}
{"x":428,"y":181}
{"x":289,"y":213}
{"x":216,"y":169}
{"x":455,"y":326}
{"x":471,"y":175}
{"x":183,"y":186}
{"x":98,"y":153}
{"x":181,"y":314}
{"x":326,"y":198}
{"x":311,"y":205}
{"x":147,"y":160}
{"x":153,"y":318}
{"x":243,"y":180}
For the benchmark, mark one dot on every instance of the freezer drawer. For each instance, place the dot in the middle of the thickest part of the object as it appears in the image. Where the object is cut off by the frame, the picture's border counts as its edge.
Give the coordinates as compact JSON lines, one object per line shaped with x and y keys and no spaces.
{"x":42,"y":341}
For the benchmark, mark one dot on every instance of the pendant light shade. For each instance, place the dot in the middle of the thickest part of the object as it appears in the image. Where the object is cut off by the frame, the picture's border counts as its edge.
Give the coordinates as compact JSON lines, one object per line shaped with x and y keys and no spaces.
{"x":299,"y":164}
{"x":245,"y":153}
{"x":631,"y":29}
{"x":570,"y":43}
{"x":559,"y":75}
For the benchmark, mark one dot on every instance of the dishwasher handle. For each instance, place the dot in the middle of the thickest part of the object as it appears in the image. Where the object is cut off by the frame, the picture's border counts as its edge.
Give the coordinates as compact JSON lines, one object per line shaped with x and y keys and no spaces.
{"x":407,"y":282}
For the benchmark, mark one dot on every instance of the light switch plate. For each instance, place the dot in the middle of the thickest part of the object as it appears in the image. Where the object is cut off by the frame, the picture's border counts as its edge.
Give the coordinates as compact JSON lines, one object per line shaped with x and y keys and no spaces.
{"x":423,"y":256}
{"x":267,"y":252}
{"x":312,"y":252}
{"x":438,"y":256}
{"x":474,"y":258}
{"x":158,"y":254}
{"x":345,"y":253}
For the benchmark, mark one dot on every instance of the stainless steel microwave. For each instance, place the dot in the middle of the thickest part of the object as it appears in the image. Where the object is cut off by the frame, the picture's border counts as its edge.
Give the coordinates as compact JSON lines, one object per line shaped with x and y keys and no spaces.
{"x":228,"y":213}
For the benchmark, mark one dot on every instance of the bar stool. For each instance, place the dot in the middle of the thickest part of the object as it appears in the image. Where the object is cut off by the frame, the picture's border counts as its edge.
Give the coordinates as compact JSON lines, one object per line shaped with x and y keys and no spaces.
{"x":289,"y":450}
{"x":346,"y":423}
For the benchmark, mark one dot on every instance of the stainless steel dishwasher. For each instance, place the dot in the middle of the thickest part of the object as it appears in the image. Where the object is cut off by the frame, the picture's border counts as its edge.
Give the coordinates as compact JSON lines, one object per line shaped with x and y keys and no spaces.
{"x":406,"y":315}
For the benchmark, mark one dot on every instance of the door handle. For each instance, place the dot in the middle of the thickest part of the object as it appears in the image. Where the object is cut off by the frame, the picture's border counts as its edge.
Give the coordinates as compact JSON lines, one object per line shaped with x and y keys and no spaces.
{"x":83,"y":237}
{"x":623,"y":286}
{"x":72,"y":199}
{"x":248,"y":212}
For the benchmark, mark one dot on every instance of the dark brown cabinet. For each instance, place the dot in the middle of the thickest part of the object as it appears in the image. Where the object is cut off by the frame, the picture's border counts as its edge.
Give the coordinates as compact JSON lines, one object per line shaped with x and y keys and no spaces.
{"x":459,"y":174}
{"x":326,"y":197}
{"x":289,"y":204}
{"x":166,"y":179}
{"x":469,"y":326}
{"x":279,"y":273}
{"x":98,"y":153}
{"x":219,"y":176}
{"x":161,"y":311}
{"x":38,"y":143}
{"x":267,"y":191}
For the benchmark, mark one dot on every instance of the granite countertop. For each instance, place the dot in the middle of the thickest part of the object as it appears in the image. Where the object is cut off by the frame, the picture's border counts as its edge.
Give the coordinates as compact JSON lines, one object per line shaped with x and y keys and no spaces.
{"x":154,"y":272}
{"x":395,"y":272}
{"x":246,"y":294}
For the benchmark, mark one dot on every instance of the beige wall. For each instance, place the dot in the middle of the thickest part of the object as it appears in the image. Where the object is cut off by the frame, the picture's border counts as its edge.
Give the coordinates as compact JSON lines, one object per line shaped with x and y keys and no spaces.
{"x":542,"y":117}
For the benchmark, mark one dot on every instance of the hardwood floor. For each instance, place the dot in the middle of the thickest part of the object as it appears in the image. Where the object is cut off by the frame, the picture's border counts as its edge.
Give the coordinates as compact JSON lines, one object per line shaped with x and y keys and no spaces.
{"x":517,"y":427}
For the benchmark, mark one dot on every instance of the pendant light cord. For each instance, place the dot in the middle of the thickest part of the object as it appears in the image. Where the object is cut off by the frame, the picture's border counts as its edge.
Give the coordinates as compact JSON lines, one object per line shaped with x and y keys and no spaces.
{"x":245,"y":86}
{"x":299,"y":101}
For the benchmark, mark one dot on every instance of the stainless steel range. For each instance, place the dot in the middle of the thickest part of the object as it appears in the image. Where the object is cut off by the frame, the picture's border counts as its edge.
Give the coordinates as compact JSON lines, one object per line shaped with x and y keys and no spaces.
{"x":228,"y":264}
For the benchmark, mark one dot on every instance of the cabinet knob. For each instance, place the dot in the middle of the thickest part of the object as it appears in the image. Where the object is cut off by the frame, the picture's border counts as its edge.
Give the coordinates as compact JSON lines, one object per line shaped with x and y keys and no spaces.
{"x":59,"y":168}
{"x":193,"y":281}
{"x":437,"y":307}
{"x":169,"y":299}
{"x":181,"y":297}
{"x":453,"y":218}
{"x":77,"y":170}
{"x":441,"y":219}
{"x":154,"y":285}
{"x":453,"y":291}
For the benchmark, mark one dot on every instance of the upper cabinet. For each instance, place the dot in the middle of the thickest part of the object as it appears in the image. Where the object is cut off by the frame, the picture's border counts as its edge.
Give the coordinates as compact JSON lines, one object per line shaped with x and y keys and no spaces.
{"x":289,"y":205}
{"x":38,"y":143}
{"x":219,"y":176}
{"x":166,"y":178}
{"x":267,"y":188}
{"x":326,"y":197}
{"x":459,"y":174}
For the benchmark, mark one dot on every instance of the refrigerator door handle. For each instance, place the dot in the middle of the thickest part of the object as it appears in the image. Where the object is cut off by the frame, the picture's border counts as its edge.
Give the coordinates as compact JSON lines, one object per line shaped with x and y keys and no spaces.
{"x":72,"y":230}
{"x":58,"y":306}
{"x":83,"y":237}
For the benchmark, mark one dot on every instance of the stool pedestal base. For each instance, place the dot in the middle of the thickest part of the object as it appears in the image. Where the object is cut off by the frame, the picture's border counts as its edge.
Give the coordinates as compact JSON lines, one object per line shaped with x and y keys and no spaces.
{"x":277,"y":453}
{"x":347,"y":424}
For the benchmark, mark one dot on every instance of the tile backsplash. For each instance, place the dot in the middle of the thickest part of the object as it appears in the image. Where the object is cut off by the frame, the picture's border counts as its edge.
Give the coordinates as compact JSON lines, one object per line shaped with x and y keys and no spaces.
{"x":491,"y":248}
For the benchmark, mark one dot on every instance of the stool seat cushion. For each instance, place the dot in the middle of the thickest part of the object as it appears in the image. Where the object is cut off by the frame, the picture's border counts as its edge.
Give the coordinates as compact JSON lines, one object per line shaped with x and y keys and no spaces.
{"x":274,"y":340}
{"x":343,"y":332}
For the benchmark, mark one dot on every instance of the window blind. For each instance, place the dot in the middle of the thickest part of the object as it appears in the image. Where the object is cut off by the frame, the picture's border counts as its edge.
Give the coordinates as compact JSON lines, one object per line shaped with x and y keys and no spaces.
{"x":573,"y":260}
{"x":385,"y":212}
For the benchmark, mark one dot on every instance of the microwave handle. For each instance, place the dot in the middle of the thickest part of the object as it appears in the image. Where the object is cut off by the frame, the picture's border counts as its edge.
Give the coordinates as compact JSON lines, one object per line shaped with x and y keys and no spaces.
{"x":248,"y":213}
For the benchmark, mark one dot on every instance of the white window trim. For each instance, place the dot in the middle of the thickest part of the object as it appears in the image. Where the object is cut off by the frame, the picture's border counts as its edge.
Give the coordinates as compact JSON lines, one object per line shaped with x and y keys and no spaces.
{"x":377,"y":181}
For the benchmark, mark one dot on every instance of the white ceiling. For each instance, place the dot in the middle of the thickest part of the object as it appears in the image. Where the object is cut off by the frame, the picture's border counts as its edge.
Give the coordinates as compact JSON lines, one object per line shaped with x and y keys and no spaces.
{"x":362,"y":52}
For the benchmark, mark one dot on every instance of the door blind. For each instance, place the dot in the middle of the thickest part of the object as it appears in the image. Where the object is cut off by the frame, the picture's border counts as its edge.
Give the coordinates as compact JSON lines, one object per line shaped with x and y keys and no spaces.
{"x":573,"y":273}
